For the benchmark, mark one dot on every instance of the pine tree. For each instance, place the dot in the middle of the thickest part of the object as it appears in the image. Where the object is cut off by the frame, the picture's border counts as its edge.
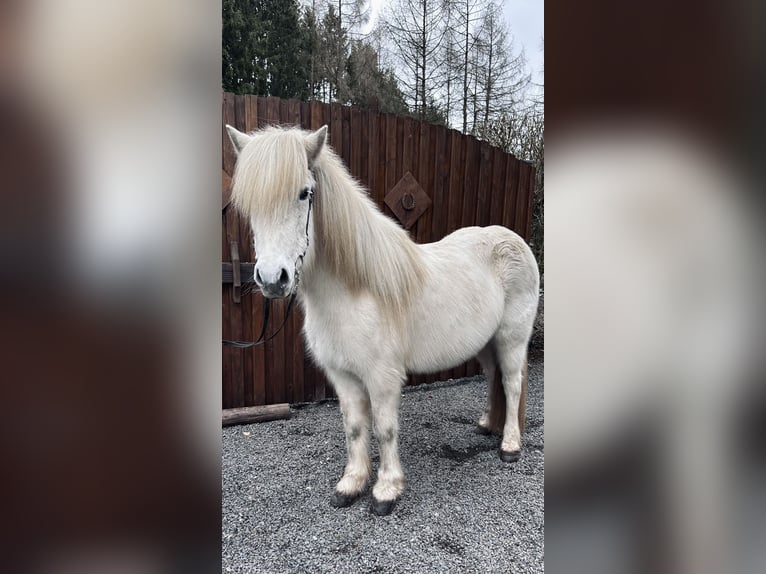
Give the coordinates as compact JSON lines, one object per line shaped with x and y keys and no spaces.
{"x":311,"y":47}
{"x":367,"y":82}
{"x":334,"y":56}
{"x":261,"y":48}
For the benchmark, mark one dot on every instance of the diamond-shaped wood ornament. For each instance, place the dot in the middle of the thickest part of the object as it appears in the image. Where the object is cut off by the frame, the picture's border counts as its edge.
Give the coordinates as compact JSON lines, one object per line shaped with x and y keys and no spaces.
{"x":407,"y":200}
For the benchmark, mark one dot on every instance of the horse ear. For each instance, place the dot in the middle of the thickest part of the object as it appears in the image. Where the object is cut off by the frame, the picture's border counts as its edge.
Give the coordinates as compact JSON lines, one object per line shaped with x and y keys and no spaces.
{"x":238,"y":139}
{"x":314,"y":144}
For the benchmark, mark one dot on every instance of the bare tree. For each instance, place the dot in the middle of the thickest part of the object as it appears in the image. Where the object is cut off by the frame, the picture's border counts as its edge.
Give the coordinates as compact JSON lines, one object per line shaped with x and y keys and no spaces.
{"x":468,"y":18}
{"x":352,"y":14}
{"x":450,"y":55}
{"x":416,"y":31}
{"x":500,"y":75}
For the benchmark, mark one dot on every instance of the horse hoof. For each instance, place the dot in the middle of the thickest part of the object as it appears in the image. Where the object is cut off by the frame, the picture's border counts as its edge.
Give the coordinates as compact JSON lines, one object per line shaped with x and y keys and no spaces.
{"x":482,"y":430}
{"x":340,"y":500}
{"x":510,"y":455}
{"x":382,"y":507}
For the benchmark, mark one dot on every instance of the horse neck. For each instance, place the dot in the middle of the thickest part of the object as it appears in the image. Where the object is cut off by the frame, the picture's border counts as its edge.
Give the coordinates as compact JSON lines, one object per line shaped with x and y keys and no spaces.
{"x":356,"y":244}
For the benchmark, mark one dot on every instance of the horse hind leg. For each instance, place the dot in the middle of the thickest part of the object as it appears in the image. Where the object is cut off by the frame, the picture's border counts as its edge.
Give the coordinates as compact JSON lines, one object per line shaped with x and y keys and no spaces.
{"x":493,"y":419}
{"x":511,"y":358}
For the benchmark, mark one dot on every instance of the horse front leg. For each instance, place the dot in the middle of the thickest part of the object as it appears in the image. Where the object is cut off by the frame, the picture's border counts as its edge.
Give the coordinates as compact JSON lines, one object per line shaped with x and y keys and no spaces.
{"x":355,"y":406}
{"x":385,"y":414}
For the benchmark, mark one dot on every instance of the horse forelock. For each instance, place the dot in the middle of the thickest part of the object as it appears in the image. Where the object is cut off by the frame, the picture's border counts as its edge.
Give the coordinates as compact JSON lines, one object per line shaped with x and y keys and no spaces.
{"x":270,"y":172}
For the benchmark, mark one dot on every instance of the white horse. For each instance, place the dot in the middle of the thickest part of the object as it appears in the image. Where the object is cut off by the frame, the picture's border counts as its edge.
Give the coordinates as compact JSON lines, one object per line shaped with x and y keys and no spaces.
{"x":377,"y":305}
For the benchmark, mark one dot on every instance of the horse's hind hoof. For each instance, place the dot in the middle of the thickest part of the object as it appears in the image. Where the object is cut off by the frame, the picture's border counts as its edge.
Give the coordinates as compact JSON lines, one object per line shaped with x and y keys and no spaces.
{"x":340,"y":500}
{"x":510,"y":455}
{"x":382,"y":507}
{"x":482,"y":430}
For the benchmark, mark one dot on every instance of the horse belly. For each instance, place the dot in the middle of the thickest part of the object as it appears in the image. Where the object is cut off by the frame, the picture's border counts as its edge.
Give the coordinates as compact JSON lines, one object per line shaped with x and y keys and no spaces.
{"x":453,"y":323}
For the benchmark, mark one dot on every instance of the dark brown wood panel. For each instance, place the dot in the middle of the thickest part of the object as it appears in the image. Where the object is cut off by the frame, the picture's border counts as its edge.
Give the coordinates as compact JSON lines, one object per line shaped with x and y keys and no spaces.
{"x":483,"y":186}
{"x":246,"y":303}
{"x":519,"y":222}
{"x":511,"y":190}
{"x":498,"y":189}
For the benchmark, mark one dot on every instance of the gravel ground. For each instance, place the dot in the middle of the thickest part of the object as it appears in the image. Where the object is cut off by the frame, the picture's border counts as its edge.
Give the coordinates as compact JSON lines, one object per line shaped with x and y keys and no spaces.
{"x":463,"y":510}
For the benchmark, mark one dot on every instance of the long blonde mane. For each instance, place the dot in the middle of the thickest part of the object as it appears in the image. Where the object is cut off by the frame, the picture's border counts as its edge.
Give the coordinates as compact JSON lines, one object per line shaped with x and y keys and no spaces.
{"x":353,"y":239}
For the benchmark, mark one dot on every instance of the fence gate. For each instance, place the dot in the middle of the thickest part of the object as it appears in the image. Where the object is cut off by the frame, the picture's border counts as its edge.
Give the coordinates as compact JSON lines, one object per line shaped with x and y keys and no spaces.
{"x":431,"y":179}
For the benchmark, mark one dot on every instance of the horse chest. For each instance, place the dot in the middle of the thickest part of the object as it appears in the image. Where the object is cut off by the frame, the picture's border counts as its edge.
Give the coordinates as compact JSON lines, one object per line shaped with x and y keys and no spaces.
{"x":344,"y":335}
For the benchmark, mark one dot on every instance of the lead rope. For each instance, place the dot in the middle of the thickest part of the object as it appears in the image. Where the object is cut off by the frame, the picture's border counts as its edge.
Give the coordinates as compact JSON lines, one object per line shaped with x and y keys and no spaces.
{"x":267,"y":301}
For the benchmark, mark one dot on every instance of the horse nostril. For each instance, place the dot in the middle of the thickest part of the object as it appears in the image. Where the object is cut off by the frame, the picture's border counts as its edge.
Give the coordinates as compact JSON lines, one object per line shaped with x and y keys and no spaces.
{"x":283,"y":278}
{"x":258,"y":279}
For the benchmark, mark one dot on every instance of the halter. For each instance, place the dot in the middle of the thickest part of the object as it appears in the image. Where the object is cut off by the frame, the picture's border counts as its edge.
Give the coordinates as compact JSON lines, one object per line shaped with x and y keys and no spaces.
{"x":267,"y":301}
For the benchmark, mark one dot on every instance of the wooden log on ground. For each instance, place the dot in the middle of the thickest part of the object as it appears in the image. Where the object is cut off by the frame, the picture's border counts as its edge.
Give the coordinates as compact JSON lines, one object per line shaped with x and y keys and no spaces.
{"x":259,"y":414}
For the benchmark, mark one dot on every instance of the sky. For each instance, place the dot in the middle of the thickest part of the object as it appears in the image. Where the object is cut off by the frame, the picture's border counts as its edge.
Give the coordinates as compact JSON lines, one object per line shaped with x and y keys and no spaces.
{"x":525,"y":20}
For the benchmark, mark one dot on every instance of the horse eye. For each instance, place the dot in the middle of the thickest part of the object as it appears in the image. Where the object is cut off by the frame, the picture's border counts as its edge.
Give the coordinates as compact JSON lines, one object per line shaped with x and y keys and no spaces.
{"x":304,"y":193}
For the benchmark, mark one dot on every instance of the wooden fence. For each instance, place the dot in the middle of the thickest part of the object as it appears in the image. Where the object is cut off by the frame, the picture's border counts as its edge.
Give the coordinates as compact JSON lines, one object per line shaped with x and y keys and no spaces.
{"x":466,"y":182}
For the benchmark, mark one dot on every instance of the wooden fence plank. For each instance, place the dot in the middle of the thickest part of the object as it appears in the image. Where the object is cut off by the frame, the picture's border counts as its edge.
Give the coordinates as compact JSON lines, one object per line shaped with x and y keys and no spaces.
{"x":297,"y":356}
{"x":519,"y":216}
{"x":355,"y":143}
{"x":245,"y":254}
{"x":511,"y":188}
{"x":441,"y":184}
{"x":236,"y":394}
{"x":382,"y":161}
{"x":284,"y":112}
{"x":531,"y":207}
{"x":294,"y":113}
{"x":372,"y":148}
{"x":229,"y":155}
{"x":362,"y":144}
{"x":345,"y":118}
{"x":227,"y":163}
{"x":498,"y":187}
{"x":456,"y":182}
{"x":305,"y":110}
{"x":336,"y":128}
{"x":391,"y":155}
{"x":484,"y":185}
{"x":400,"y":129}
{"x":470,"y":182}
{"x":317,"y":115}
{"x":425,"y":175}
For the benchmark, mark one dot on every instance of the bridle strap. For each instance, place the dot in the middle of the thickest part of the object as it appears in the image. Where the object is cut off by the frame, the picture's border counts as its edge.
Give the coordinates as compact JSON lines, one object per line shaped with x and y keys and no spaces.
{"x":267,"y":301}
{"x":261,"y":340}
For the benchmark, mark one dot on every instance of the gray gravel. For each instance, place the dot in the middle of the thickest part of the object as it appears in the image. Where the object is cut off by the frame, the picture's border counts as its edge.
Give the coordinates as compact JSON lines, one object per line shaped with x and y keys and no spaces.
{"x":463,"y":510}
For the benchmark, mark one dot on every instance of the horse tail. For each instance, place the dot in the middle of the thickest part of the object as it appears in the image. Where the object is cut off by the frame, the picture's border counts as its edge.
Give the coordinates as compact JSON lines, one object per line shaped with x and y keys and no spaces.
{"x":498,"y":405}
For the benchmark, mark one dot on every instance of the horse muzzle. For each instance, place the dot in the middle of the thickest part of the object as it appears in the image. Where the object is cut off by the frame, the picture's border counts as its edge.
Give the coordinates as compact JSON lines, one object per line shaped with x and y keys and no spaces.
{"x":276,"y":284}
